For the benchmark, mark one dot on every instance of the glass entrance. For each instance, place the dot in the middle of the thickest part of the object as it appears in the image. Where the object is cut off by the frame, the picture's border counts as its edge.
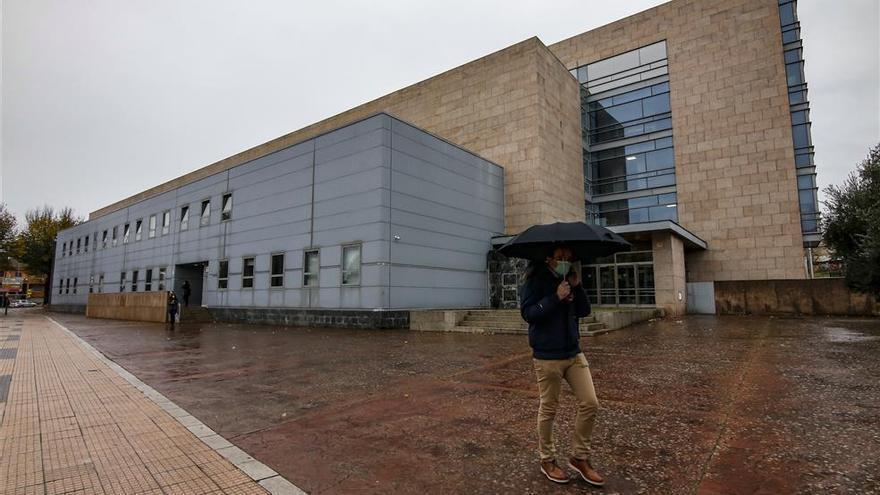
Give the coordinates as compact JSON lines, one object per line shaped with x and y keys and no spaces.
{"x":625,"y":279}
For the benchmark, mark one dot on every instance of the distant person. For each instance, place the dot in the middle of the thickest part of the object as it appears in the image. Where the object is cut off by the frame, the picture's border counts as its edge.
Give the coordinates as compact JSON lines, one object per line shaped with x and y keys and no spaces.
{"x":551,"y":301}
{"x":187,"y":290}
{"x":173,"y":306}
{"x":5,"y":302}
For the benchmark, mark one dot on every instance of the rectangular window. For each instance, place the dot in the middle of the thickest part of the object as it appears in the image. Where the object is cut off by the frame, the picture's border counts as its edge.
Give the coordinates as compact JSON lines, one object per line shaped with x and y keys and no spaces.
{"x":310,"y":269}
{"x":162,"y":278}
{"x":152,"y":232}
{"x":226,"y":210}
{"x":122,"y":282}
{"x":134,"y":280}
{"x":126,"y":233}
{"x":100,"y":283}
{"x":277,"y":275}
{"x":60,"y":286}
{"x":223,"y":275}
{"x":114,"y":237}
{"x":148,"y":281}
{"x":138,"y":229}
{"x":247,"y":273}
{"x":184,"y":218}
{"x":86,"y":245}
{"x":77,"y":245}
{"x":70,"y":248}
{"x":205,"y":218}
{"x":91,"y":284}
{"x":67,"y":287}
{"x":166,"y":222}
{"x":351,"y":265}
{"x":75,"y":280}
{"x":104,"y":240}
{"x":63,"y":249}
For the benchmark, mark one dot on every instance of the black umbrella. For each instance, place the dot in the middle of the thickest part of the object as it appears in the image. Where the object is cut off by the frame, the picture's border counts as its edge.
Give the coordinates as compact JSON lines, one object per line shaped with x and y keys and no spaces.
{"x":587,"y":242}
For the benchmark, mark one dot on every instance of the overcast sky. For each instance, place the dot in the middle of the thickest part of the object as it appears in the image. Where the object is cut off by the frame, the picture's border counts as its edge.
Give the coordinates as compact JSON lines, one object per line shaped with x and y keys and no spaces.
{"x":104,"y":98}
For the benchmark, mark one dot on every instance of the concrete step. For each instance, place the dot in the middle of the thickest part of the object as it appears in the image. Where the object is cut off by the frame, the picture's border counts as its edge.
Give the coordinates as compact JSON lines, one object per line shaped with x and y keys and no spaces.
{"x":594,"y":329}
{"x":505,"y":319}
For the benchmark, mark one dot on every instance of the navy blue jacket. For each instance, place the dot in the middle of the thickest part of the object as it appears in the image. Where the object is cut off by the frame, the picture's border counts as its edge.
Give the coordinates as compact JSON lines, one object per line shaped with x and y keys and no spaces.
{"x":553,"y":324}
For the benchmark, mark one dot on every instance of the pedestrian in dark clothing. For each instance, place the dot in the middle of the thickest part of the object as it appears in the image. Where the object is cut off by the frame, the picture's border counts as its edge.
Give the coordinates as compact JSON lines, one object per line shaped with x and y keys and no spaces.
{"x":173,"y":306}
{"x":551,"y":301}
{"x":186,"y":292}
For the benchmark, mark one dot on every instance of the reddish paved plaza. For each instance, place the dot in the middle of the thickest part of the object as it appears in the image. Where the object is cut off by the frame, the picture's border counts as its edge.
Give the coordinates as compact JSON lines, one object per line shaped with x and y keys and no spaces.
{"x":697,"y":405}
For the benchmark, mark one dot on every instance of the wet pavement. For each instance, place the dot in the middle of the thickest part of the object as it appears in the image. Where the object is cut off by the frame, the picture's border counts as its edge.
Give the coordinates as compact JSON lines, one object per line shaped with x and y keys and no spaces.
{"x":710,"y":405}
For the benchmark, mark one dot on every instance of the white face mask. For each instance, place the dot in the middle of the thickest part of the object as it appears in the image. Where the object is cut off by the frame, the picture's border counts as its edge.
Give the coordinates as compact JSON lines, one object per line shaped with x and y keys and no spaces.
{"x":562,"y":268}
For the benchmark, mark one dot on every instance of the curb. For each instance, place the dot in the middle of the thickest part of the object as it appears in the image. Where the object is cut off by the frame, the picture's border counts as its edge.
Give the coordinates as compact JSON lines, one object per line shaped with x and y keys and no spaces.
{"x":273,"y":482}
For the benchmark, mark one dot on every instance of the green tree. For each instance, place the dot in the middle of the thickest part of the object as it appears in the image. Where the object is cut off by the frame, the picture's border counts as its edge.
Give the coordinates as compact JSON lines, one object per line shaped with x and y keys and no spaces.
{"x":36,"y":242}
{"x":852,"y":223}
{"x":7,"y":237}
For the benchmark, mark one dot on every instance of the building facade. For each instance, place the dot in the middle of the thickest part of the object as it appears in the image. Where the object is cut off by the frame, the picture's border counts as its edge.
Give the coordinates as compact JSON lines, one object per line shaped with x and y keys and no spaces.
{"x":685,"y":128}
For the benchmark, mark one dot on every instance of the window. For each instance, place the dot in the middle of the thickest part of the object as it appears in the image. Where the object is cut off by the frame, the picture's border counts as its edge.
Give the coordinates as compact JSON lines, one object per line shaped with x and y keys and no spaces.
{"x":122,"y":282}
{"x":247,"y":273}
{"x":86,"y":245}
{"x":205,"y":219}
{"x":91,"y":284}
{"x":277,"y":275}
{"x":223,"y":275}
{"x":75,"y":280}
{"x":629,"y":168}
{"x":351,"y":265}
{"x":152,"y":231}
{"x":226,"y":210}
{"x":148,"y":281}
{"x":77,"y":245}
{"x":104,"y":240}
{"x":126,"y":233}
{"x":134,"y":280}
{"x":166,"y":222}
{"x":100,"y":283}
{"x":184,"y":218}
{"x":114,"y":237}
{"x":162,"y":278}
{"x":60,"y":286}
{"x":63,"y":249}
{"x":138,"y":229}
{"x":635,"y":210}
{"x":67,"y":287}
{"x":310,"y":269}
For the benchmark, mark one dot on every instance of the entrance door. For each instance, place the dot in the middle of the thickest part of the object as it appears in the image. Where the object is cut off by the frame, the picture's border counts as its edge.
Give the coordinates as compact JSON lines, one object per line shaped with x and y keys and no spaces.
{"x":626,"y":284}
{"x":607,"y":285}
{"x":194,"y":273}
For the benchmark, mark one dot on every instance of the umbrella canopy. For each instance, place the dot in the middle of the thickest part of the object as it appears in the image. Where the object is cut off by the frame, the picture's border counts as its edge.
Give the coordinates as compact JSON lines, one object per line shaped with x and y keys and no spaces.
{"x":587,"y":242}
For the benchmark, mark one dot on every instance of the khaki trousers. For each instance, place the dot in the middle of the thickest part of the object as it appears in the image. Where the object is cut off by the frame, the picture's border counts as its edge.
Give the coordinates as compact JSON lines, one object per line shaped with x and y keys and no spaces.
{"x":576,"y":371}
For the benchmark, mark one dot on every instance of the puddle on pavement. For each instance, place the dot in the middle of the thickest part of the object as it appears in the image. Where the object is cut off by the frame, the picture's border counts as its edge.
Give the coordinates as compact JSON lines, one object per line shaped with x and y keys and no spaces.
{"x":838,"y":334}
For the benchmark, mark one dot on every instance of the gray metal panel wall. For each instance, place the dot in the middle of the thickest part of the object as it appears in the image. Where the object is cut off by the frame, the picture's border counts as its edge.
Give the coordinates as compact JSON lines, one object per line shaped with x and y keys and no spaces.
{"x":336,"y":189}
{"x":446,"y":204}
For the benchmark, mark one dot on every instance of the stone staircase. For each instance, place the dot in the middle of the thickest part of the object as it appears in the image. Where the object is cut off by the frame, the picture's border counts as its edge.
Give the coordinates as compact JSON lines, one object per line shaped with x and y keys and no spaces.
{"x":510,"y":321}
{"x":195,"y":314}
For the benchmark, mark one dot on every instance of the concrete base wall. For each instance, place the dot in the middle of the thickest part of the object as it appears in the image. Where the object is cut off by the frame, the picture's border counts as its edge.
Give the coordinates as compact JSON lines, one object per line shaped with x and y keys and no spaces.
{"x":624,"y":318}
{"x":68,"y":308}
{"x":828,"y":296}
{"x":314,"y":317}
{"x":132,"y":306}
{"x":436,"y":320}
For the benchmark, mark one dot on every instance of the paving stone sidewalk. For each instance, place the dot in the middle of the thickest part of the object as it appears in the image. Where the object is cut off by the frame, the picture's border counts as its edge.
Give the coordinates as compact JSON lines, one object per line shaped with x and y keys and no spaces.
{"x":71,"y":424}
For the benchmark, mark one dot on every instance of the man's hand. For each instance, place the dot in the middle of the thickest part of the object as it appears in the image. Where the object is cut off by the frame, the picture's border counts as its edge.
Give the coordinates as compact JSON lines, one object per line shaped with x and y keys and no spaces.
{"x":563,"y":290}
{"x":573,"y":279}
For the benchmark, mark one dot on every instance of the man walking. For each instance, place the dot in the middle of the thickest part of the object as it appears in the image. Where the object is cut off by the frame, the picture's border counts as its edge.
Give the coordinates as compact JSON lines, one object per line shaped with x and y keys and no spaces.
{"x":552,"y":300}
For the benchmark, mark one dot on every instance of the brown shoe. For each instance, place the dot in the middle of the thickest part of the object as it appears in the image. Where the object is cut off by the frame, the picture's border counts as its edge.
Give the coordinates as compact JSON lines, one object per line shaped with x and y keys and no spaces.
{"x":553,"y":472}
{"x":583,"y":467}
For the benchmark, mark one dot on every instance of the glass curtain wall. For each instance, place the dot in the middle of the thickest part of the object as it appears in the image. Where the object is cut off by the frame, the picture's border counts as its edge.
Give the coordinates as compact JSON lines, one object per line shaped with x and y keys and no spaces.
{"x":629,"y":161}
{"x":792,"y":48}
